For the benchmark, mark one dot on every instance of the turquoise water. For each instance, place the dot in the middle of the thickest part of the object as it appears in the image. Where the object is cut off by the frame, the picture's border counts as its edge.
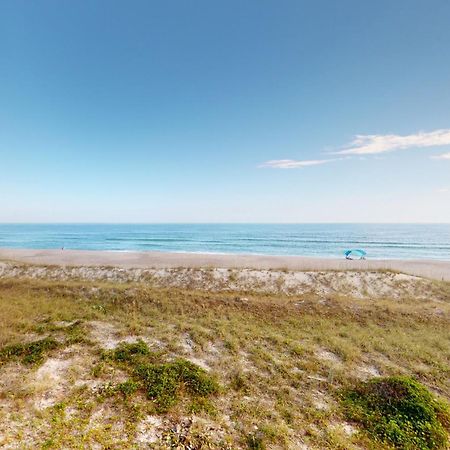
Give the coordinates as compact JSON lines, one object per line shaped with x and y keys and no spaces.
{"x":325,"y":240}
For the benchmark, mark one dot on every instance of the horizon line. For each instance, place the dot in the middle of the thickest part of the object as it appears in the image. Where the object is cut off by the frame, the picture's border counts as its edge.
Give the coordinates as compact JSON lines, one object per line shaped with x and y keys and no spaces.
{"x":227,"y":223}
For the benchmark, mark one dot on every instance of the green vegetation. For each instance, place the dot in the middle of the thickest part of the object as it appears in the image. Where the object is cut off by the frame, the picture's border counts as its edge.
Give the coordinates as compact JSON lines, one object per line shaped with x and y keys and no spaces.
{"x":163,"y":381}
{"x":128,"y":352}
{"x":127,"y":388}
{"x":29,"y":353}
{"x":33,"y":352}
{"x":276,"y":361}
{"x":399,"y":411}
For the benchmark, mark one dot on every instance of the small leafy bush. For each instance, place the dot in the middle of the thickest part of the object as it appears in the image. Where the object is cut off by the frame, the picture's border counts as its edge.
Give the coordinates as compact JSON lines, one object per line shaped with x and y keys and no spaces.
{"x":127,"y":388}
{"x":29,"y":353}
{"x":399,"y":411}
{"x":128,"y":352}
{"x":163,"y":382}
{"x":202,"y":404}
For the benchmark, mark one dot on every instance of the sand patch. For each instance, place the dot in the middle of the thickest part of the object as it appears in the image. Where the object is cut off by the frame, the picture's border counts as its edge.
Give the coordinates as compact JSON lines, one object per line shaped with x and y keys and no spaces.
{"x":364,"y":372}
{"x":104,"y":334}
{"x":188,"y":346}
{"x":320,"y":401}
{"x":149,"y":430}
{"x":49,"y":382}
{"x":343,"y":428}
{"x":328,"y":356}
{"x":108,"y":336}
{"x":55,"y":379}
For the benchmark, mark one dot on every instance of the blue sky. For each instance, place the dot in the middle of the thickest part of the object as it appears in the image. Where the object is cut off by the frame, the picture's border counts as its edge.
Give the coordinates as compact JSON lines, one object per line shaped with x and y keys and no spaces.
{"x":225,"y":111}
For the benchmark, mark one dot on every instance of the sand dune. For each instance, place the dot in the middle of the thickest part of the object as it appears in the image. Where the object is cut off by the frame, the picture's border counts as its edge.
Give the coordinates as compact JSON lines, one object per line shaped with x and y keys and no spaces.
{"x":438,"y":270}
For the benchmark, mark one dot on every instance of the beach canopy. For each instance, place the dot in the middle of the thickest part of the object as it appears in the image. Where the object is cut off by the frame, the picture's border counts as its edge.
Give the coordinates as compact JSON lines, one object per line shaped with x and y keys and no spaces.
{"x":355,"y":253}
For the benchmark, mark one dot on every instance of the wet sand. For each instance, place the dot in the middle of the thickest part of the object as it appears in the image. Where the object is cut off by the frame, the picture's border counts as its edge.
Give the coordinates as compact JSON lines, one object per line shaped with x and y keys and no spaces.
{"x":438,"y":270}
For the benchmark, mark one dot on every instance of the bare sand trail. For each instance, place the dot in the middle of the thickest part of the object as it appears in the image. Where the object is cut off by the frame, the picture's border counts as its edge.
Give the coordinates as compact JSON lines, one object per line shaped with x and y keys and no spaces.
{"x":433,"y":269}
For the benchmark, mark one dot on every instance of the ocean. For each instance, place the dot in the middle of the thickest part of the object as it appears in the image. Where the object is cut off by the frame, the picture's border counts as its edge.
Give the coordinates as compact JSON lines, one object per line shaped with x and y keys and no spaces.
{"x":405,"y":241}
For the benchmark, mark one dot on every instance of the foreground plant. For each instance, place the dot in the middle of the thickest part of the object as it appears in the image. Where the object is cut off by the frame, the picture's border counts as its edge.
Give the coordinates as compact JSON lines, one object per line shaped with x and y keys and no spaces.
{"x":163,"y":382}
{"x":28,"y":353}
{"x":399,"y":411}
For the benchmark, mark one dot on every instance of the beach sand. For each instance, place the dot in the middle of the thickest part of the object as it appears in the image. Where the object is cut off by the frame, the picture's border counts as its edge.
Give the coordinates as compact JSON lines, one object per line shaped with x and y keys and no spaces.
{"x":433,"y":269}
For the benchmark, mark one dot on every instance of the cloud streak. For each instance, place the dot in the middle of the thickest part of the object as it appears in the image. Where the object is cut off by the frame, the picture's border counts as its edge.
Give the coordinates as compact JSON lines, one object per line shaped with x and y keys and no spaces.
{"x":293,"y":164}
{"x":372,"y":144}
{"x":376,"y":143}
{"x":443,"y":156}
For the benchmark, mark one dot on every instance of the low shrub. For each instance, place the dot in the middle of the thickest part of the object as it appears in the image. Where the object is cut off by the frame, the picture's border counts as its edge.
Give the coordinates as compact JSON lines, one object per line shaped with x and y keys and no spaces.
{"x":399,"y":411}
{"x":127,"y":352}
{"x":28,"y":353}
{"x":163,"y":382}
{"x":128,"y":387}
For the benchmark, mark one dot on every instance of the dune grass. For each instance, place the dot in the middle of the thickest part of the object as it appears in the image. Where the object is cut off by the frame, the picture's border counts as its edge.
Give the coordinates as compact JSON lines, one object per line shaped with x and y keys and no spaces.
{"x":276,"y":365}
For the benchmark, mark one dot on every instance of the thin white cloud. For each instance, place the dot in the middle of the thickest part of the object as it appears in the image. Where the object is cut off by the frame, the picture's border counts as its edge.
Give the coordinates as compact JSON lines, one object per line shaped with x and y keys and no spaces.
{"x":373,"y":144}
{"x":443,"y":156}
{"x":443,"y":190}
{"x":293,"y":164}
{"x":376,"y":143}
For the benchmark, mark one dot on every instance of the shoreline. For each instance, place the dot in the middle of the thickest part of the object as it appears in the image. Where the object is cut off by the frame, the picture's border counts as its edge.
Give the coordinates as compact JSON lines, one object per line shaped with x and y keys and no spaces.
{"x":428,"y":268}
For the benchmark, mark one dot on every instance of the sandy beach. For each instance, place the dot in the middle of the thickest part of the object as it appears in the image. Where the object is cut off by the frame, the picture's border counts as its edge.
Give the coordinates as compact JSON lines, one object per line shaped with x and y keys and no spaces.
{"x":433,"y":269}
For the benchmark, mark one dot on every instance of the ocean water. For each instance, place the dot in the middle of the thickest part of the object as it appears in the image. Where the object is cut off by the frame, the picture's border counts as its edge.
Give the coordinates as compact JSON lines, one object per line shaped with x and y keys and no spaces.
{"x":324,"y":240}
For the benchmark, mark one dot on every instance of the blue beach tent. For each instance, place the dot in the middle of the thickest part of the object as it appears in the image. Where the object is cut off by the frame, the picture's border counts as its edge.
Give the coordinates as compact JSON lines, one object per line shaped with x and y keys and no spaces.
{"x":356,"y":253}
